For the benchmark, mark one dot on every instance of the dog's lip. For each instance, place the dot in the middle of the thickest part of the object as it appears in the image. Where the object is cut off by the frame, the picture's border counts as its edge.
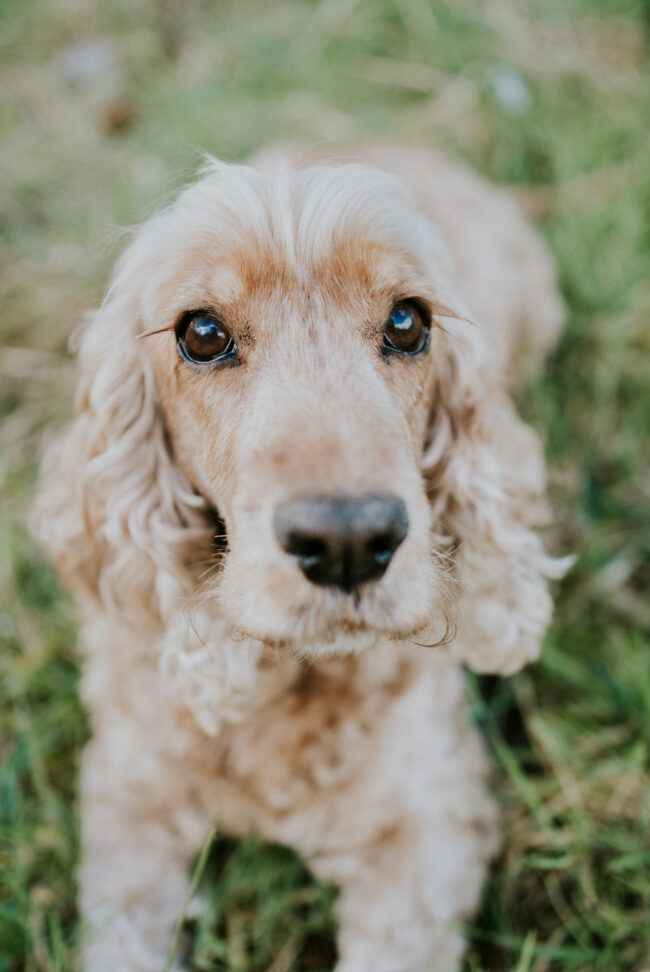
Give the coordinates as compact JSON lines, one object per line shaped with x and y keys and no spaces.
{"x":329,"y":633}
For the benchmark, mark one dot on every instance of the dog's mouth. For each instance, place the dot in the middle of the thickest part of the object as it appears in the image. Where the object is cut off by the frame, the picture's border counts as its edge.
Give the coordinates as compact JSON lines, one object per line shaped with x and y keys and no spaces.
{"x":308,"y":619}
{"x":340,"y":640}
{"x":343,"y":640}
{"x":341,"y":637}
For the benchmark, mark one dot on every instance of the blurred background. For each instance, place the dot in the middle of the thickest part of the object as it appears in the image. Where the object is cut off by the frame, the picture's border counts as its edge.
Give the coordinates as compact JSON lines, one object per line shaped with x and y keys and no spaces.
{"x":105,"y":109}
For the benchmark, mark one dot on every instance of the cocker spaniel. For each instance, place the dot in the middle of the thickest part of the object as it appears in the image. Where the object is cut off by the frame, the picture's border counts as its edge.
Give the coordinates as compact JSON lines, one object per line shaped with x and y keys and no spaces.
{"x":296,"y":498}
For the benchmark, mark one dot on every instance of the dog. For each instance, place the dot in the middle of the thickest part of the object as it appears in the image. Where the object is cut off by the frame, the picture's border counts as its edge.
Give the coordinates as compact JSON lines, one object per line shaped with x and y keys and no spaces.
{"x":295,"y":500}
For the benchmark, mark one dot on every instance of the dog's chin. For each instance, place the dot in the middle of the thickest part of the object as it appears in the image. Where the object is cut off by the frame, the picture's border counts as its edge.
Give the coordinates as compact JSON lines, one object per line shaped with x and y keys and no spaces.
{"x":338,"y":642}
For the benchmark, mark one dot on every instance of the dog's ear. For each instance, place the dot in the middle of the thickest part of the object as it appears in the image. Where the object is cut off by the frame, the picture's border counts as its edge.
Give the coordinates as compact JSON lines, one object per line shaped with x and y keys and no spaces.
{"x":114,"y":510}
{"x":486,"y":477}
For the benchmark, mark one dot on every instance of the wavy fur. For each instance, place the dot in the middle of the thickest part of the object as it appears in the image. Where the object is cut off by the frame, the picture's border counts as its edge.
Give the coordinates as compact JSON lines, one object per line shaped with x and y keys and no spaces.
{"x":222,"y":672}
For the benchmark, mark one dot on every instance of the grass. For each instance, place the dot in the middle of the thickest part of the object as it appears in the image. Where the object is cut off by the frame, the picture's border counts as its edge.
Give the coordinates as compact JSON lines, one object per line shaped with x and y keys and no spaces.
{"x":82,"y":155}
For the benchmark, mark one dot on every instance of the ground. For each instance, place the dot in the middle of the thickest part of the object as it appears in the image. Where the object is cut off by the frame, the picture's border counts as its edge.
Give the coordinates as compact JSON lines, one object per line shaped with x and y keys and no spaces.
{"x":104,"y":110}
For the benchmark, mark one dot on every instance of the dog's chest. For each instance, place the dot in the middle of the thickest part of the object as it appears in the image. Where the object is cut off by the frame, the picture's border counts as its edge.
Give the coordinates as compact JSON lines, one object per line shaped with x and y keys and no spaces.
{"x":309,"y":727}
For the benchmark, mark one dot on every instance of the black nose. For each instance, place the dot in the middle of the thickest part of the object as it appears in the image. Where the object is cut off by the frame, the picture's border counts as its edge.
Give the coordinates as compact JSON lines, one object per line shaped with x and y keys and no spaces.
{"x":342,"y":542}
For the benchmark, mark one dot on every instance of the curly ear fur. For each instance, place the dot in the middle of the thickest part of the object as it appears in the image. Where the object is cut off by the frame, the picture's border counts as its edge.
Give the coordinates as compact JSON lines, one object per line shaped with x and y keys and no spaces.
{"x":486,"y":478}
{"x":115,"y":512}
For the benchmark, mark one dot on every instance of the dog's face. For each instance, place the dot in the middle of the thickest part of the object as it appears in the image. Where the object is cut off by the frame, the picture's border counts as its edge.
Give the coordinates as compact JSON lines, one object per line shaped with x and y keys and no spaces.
{"x":295,"y":373}
{"x":306,"y":369}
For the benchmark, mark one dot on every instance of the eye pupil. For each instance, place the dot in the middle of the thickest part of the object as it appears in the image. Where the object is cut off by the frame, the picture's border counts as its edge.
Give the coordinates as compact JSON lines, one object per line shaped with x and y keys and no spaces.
{"x":406,"y":331}
{"x":202,"y":338}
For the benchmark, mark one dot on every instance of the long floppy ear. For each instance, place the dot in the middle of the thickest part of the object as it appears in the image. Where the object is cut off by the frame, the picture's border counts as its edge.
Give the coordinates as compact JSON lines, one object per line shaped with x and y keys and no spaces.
{"x":115,"y":512}
{"x":485,"y":471}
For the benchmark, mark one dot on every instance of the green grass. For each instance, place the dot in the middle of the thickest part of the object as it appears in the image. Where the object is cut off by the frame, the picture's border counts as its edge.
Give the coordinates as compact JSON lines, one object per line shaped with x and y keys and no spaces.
{"x":571,"y":736}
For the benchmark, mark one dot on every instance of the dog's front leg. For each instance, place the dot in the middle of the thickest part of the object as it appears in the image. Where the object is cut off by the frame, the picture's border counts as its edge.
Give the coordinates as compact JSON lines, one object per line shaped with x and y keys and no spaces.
{"x":139,"y":832}
{"x":405,"y":895}
{"x":408,"y":839}
{"x":400,"y":907}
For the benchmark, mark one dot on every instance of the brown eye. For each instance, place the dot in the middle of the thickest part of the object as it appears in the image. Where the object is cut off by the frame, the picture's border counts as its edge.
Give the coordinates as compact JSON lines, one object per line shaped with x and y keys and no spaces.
{"x":407,"y":329}
{"x":203,"y":339}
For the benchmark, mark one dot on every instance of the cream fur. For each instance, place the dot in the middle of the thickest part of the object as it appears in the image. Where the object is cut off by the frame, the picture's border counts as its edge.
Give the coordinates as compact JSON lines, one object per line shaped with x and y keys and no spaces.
{"x":221,"y":684}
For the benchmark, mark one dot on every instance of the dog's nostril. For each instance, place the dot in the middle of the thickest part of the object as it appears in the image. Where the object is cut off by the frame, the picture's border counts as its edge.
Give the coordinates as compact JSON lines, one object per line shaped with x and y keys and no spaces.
{"x":342,"y":542}
{"x":305,"y":546}
{"x":382,"y":548}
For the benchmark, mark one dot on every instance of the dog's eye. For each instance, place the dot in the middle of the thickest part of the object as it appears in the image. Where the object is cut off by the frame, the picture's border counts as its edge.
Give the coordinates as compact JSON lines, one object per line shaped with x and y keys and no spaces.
{"x":407,"y":330}
{"x":202,"y":339}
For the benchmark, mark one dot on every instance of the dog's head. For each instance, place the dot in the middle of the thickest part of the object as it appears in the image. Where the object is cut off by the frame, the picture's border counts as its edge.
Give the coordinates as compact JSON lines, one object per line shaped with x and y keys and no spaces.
{"x":282,"y":409}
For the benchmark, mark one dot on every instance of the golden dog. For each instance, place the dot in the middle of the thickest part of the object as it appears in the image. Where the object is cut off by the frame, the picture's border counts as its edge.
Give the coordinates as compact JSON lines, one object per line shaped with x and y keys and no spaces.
{"x":295,"y":499}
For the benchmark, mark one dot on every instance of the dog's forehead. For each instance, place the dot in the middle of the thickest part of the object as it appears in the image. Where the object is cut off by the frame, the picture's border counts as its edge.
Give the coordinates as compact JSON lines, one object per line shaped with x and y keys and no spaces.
{"x":354,"y":270}
{"x":341,"y":233}
{"x":301,"y":210}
